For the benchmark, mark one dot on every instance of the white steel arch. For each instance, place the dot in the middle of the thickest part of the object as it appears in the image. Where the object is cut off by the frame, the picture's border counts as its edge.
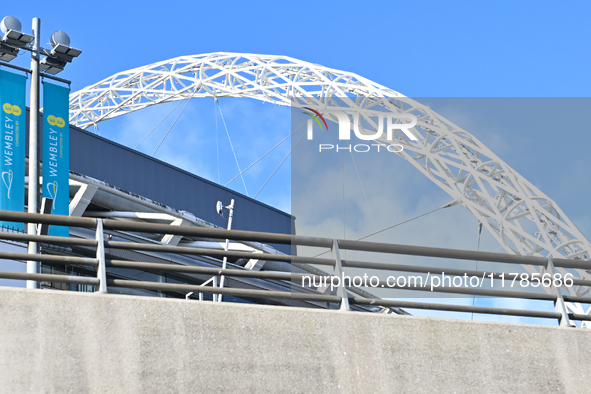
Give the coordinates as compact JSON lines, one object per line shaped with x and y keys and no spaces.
{"x":522,"y":218}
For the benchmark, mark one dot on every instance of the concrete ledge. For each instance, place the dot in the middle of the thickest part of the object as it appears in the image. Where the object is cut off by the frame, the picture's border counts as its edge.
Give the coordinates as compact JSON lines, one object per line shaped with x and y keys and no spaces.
{"x":58,"y":342}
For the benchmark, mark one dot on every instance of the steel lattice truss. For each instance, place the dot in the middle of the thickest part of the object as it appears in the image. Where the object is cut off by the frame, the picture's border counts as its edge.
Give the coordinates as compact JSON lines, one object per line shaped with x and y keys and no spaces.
{"x":522,"y":218}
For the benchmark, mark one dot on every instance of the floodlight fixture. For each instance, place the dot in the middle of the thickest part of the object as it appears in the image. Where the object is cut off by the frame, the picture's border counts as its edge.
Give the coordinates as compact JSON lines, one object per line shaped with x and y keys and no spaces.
{"x":60,"y":42}
{"x":13,"y":39}
{"x":7,"y":53}
{"x":61,"y":53}
{"x":64,"y":52}
{"x":59,"y":37}
{"x":10,"y":23}
{"x":51,"y":65}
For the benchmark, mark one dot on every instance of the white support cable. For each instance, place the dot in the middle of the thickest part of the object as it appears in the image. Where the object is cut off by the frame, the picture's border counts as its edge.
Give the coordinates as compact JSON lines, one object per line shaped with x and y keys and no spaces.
{"x":158,"y":125}
{"x":279,"y":166}
{"x":269,"y":151}
{"x":449,"y":204}
{"x":173,"y":123}
{"x":364,"y":195}
{"x":232,"y":146}
{"x":403,"y":222}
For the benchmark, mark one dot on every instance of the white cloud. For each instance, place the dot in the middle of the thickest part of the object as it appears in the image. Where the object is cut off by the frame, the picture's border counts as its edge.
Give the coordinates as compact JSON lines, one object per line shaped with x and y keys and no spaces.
{"x":395,"y":191}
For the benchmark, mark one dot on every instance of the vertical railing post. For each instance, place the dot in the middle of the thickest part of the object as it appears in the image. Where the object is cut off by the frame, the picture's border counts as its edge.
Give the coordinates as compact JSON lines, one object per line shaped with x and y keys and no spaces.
{"x":101,"y":272}
{"x":338,"y":272}
{"x":559,"y":304}
{"x":226,"y":247}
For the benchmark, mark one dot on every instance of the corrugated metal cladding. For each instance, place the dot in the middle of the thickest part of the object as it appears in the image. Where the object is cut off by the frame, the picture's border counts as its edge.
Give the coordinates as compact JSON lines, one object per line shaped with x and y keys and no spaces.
{"x":138,"y":173}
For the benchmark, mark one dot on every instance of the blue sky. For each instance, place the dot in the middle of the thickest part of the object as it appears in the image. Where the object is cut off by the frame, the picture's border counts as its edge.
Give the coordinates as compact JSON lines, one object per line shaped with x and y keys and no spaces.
{"x":420,"y":48}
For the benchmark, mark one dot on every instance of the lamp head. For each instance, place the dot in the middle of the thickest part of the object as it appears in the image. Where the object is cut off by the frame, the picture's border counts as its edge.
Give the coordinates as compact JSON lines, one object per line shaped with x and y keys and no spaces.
{"x":59,"y":37}
{"x":10,"y":23}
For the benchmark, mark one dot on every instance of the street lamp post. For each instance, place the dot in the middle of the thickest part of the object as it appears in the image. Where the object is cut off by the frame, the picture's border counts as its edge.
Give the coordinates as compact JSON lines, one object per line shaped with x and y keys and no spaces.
{"x":33,"y":195}
{"x":54,"y":62}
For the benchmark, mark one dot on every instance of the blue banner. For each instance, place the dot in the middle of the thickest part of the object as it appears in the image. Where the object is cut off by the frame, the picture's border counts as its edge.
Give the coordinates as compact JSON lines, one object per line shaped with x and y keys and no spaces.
{"x":56,"y":152}
{"x":12,"y":135}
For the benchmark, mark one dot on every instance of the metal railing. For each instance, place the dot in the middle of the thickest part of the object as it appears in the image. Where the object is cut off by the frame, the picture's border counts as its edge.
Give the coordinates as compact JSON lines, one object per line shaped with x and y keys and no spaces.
{"x":343,"y":297}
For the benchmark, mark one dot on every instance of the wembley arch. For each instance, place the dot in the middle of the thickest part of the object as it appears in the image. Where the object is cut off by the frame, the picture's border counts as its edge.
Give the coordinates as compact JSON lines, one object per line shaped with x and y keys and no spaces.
{"x":521,"y":218}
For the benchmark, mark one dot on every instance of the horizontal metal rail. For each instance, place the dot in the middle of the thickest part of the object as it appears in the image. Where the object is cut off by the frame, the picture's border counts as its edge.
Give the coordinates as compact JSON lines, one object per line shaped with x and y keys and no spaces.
{"x":263,"y":294}
{"x":216,"y":252}
{"x":473,"y":291}
{"x":25,"y":217}
{"x":82,"y":280}
{"x":579,"y":316}
{"x":582,"y":300}
{"x":327,"y":298}
{"x":581,"y":282}
{"x":456,"y":308}
{"x":49,"y":258}
{"x":171,"y":268}
{"x":427,"y":251}
{"x":419,"y":269}
{"x":48,"y":239}
{"x":239,"y":235}
{"x":100,"y":262}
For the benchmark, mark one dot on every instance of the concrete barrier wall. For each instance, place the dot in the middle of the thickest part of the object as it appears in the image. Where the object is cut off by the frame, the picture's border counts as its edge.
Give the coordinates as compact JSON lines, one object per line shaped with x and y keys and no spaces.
{"x":58,"y":342}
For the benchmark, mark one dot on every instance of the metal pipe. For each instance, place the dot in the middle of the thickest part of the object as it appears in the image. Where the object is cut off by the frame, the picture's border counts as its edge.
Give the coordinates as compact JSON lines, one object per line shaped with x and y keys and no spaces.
{"x":216,"y":252}
{"x":582,"y":300}
{"x":581,"y":282}
{"x":26,"y":70}
{"x":442,"y":253}
{"x":471,"y":291}
{"x":569,"y":263}
{"x":579,"y":316}
{"x":82,"y":280}
{"x":50,"y":258}
{"x":101,"y":272}
{"x":33,"y":193}
{"x":454,"y":308}
{"x":67,"y":82}
{"x":47,"y":239}
{"x":264,"y":294}
{"x":422,"y":269}
{"x":338,"y":271}
{"x":208,"y":271}
{"x":49,"y":219}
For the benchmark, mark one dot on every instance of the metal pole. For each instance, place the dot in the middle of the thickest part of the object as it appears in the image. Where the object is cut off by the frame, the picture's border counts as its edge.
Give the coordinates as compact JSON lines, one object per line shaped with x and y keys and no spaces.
{"x":101,"y":272}
{"x":225,"y":260}
{"x":33,"y":196}
{"x":559,"y":304}
{"x":338,"y":272}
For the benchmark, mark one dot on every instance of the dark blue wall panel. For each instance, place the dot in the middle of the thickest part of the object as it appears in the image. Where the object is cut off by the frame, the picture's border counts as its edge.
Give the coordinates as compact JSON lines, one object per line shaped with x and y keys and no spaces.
{"x":138,"y":173}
